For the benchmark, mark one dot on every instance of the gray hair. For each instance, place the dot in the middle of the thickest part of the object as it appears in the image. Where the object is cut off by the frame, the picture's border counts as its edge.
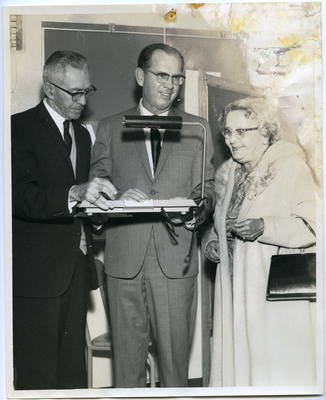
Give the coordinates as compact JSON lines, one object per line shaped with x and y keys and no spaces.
{"x":58,"y":62}
{"x":261,"y":111}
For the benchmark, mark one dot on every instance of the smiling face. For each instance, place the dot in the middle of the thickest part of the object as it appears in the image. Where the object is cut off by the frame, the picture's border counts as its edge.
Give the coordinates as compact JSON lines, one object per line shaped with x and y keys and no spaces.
{"x":249,"y":149}
{"x":158,"y":97}
{"x":73,"y":80}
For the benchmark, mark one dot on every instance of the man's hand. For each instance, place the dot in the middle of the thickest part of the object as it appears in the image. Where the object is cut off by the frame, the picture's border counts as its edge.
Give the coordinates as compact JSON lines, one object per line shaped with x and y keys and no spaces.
{"x":192,"y":220}
{"x":133,"y":195}
{"x":212,"y":251}
{"x":98,"y":191}
{"x":178,"y":217}
{"x":249,"y":229}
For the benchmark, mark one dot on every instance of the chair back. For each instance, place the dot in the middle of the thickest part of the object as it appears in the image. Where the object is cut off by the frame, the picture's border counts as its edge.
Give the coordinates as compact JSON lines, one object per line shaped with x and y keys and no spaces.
{"x":101,"y":276}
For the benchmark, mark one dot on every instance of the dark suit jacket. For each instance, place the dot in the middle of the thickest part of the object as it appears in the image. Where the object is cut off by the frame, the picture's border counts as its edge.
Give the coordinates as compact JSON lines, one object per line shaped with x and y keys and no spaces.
{"x":120,"y":155}
{"x":46,"y":236}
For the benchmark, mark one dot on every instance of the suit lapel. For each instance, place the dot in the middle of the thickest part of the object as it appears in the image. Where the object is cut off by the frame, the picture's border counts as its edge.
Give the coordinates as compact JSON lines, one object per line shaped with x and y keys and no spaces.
{"x":170,"y":137}
{"x":53,"y":133}
{"x":139,"y":140}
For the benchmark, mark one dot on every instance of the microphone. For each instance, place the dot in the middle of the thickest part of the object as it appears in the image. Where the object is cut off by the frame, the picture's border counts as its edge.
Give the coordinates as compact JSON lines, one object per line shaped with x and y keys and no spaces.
{"x":152,"y":121}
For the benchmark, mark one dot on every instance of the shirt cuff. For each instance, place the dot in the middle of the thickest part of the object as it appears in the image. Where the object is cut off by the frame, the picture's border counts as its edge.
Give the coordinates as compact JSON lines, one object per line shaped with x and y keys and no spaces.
{"x":71,"y":203}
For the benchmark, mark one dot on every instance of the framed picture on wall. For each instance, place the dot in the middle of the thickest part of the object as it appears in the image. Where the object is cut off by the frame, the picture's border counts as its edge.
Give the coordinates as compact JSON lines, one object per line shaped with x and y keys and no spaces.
{"x":244,"y":83}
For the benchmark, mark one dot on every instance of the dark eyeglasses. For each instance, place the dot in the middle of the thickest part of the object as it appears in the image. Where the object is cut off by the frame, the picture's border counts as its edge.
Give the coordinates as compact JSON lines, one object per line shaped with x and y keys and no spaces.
{"x":78,"y":95}
{"x":239,"y":133}
{"x":162,"y":77}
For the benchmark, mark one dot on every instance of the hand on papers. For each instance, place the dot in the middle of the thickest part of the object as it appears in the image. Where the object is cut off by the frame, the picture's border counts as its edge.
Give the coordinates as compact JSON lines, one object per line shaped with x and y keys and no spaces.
{"x":98,"y":191}
{"x":133,"y":195}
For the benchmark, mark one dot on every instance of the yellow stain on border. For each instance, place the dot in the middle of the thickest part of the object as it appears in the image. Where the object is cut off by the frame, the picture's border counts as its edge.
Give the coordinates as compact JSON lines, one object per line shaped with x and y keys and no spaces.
{"x":289,"y":41}
{"x":170,"y":16}
{"x":295,"y":54}
{"x":194,"y":5}
{"x":237,"y":23}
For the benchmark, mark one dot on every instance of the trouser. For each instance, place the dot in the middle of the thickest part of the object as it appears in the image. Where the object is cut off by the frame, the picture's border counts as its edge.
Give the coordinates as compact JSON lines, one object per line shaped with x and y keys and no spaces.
{"x":168,"y":307}
{"x":49,"y":336}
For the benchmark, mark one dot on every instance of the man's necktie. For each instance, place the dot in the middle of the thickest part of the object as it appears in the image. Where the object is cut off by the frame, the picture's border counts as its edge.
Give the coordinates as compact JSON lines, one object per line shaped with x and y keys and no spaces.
{"x":66,"y":135}
{"x":156,"y":146}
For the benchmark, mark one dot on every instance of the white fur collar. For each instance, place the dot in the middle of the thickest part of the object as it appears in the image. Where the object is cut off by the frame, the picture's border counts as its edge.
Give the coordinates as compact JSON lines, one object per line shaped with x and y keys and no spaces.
{"x":271,"y":162}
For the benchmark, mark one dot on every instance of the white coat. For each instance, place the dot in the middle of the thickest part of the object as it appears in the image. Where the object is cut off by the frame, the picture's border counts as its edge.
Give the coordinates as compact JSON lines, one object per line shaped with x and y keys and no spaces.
{"x":257,"y":342}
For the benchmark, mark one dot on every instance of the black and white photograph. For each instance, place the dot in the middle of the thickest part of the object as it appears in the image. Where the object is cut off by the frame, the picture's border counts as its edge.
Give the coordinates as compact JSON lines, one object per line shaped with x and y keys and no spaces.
{"x":163,"y":194}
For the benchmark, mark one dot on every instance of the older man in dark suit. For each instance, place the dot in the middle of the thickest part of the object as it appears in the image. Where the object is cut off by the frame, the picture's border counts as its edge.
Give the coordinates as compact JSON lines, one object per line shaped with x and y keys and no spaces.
{"x":150,"y":281}
{"x":53,"y":265}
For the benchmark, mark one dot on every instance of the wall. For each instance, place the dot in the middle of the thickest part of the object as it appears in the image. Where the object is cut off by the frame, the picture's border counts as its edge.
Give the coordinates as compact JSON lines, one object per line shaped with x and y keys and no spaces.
{"x":113,"y":56}
{"x":294,"y":74}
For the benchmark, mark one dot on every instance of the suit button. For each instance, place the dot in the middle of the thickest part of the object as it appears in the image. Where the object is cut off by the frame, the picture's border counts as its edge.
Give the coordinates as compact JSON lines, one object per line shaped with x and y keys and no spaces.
{"x":153,"y":192}
{"x":78,"y":233}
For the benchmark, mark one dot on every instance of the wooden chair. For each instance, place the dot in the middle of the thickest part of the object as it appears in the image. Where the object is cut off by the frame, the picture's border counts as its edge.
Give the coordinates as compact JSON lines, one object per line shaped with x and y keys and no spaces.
{"x":104,"y":342}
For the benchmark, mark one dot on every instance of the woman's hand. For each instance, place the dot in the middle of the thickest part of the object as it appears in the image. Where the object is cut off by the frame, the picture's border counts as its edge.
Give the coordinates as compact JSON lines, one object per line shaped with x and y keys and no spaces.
{"x":212,"y":251}
{"x":249,"y":229}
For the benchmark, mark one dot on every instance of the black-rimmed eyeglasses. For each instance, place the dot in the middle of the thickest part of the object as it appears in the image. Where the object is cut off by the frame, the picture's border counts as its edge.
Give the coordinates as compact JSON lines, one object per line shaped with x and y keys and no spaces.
{"x":239,"y":133}
{"x":162,"y":77}
{"x":78,"y":95}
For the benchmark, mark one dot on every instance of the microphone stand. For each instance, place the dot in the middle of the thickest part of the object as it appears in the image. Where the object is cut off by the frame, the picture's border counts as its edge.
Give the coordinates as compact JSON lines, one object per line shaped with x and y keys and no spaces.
{"x":169,"y":122}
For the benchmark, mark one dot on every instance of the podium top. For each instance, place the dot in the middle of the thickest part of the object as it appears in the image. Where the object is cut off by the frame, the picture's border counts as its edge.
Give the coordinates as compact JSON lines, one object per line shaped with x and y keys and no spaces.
{"x":129,"y":207}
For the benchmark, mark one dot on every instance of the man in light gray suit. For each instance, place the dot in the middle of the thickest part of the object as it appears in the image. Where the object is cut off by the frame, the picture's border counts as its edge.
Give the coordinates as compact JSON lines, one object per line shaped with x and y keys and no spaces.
{"x":150,"y":284}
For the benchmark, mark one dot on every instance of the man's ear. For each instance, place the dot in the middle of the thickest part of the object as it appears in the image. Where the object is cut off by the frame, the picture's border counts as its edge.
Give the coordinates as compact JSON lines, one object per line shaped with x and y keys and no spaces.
{"x":139,"y":74}
{"x":48,"y":90}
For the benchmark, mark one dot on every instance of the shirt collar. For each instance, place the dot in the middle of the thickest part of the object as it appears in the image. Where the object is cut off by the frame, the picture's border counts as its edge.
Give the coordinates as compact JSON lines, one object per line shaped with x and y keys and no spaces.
{"x":57,"y":118}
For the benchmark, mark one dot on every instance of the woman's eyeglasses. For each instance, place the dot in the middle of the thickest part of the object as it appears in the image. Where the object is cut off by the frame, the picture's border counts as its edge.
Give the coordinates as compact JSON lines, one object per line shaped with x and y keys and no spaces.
{"x":239,"y":133}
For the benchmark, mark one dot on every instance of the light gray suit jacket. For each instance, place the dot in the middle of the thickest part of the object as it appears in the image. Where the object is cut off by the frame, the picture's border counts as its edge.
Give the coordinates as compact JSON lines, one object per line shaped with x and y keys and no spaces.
{"x":120,"y":154}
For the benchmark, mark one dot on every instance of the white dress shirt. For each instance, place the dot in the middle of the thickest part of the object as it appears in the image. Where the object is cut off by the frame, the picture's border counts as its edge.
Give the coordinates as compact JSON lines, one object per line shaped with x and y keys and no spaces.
{"x":147,"y":131}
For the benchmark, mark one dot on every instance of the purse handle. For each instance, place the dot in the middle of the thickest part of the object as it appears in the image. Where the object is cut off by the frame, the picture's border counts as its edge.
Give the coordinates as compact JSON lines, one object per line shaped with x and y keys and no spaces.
{"x":309,"y":227}
{"x":302,"y":250}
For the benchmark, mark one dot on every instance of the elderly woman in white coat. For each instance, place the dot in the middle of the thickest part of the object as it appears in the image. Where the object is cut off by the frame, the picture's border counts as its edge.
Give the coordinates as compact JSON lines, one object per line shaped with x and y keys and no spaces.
{"x":264,"y":192}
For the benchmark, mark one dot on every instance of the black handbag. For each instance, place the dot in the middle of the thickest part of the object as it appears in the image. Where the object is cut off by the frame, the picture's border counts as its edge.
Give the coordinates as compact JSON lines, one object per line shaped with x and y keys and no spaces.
{"x":292,"y":276}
